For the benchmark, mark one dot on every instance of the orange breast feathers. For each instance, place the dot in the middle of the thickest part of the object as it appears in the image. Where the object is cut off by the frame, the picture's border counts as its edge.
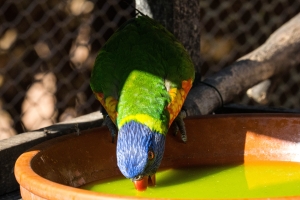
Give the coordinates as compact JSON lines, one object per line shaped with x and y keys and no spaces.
{"x":178,"y":97}
{"x":109,"y":104}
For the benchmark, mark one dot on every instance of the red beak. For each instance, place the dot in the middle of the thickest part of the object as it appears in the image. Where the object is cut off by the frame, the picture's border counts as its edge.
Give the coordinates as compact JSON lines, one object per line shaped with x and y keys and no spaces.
{"x":143,"y":183}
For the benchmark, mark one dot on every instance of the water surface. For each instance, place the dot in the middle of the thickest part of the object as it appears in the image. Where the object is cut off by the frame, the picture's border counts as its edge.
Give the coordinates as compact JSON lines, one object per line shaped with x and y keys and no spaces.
{"x":262,"y":179}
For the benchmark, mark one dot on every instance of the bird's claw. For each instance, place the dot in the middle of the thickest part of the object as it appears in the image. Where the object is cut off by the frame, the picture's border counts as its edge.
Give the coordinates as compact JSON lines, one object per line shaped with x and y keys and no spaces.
{"x":180,"y":126}
{"x":175,"y":129}
{"x":77,"y":129}
{"x":111,"y":127}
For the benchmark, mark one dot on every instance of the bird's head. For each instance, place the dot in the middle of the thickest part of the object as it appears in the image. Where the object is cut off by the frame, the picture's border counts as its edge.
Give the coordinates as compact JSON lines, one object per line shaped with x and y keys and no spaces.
{"x":139,"y":153}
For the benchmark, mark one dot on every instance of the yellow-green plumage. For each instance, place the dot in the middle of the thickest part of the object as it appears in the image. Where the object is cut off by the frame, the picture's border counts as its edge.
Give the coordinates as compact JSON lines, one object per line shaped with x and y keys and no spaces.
{"x":137,"y":67}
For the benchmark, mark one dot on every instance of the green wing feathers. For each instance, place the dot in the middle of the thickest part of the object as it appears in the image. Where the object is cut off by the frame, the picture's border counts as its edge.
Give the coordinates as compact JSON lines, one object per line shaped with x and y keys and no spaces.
{"x":137,"y":69}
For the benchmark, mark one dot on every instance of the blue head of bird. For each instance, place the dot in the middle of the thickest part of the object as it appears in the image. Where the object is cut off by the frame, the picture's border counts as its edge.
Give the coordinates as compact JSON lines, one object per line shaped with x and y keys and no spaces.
{"x":139,"y":153}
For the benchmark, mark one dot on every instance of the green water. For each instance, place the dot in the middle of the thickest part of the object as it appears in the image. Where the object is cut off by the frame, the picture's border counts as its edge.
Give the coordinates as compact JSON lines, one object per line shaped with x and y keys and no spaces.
{"x":271,"y":179}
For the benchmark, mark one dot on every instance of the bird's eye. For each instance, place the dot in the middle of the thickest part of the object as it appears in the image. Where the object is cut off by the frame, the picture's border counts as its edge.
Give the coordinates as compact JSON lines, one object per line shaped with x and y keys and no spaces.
{"x":150,"y":155}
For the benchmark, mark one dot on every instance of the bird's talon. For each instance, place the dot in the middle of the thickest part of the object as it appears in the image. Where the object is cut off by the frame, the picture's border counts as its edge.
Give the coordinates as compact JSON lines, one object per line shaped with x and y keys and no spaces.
{"x":184,"y":138}
{"x":111,"y":127}
{"x":77,"y":129}
{"x":113,"y":136}
{"x":175,"y":129}
{"x":181,"y":126}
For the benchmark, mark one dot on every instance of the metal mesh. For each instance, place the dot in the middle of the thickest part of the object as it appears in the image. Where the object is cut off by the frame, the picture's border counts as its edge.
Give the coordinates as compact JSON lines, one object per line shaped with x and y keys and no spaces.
{"x":47,"y":50}
{"x":232,"y":29}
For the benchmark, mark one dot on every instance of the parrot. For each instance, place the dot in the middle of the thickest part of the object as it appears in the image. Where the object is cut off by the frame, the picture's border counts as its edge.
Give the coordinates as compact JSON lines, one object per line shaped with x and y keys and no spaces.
{"x":142,"y":76}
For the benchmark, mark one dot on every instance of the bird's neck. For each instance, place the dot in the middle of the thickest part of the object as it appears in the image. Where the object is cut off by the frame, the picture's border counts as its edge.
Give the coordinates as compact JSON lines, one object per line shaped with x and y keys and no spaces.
{"x":144,"y":99}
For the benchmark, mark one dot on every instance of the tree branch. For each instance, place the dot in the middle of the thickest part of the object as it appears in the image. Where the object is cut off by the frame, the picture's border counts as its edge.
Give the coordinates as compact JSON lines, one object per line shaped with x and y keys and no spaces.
{"x":280,"y":51}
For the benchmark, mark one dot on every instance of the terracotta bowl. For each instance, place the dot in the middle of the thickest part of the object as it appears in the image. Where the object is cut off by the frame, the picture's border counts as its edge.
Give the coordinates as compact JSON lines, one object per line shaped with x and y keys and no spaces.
{"x":53,"y":170}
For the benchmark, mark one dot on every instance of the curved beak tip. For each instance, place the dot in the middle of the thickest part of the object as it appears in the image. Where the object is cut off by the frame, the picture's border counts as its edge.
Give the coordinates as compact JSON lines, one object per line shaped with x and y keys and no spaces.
{"x":142,"y":184}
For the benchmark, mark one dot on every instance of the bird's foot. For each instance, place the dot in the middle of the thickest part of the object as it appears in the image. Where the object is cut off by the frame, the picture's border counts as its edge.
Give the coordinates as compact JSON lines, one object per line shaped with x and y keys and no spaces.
{"x":180,"y":126}
{"x":77,"y":129}
{"x":111,"y":127}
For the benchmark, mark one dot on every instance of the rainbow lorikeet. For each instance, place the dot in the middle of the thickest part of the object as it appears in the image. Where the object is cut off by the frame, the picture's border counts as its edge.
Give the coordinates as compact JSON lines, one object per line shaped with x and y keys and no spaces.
{"x":141,"y":77}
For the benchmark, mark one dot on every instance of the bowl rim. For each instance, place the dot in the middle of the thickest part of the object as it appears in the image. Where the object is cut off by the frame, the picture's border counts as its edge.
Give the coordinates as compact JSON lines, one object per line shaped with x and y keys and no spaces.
{"x":24,"y":173}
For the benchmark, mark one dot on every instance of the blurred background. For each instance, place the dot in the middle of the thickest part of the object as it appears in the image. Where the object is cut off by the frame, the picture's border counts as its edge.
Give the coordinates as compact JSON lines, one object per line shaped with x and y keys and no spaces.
{"x":48,"y":47}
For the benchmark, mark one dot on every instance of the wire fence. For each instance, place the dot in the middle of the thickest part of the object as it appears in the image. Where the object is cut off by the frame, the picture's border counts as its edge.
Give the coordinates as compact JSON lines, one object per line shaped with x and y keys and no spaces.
{"x":48,"y":47}
{"x":231,"y":29}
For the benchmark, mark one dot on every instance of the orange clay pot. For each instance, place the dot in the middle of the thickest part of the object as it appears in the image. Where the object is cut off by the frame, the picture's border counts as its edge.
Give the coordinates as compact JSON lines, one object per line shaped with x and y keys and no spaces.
{"x":53,"y":170}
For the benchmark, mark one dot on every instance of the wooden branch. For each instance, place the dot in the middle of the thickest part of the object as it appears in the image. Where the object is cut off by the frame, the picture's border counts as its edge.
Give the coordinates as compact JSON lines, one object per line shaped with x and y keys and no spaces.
{"x":259,"y":92}
{"x":277,"y":54}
